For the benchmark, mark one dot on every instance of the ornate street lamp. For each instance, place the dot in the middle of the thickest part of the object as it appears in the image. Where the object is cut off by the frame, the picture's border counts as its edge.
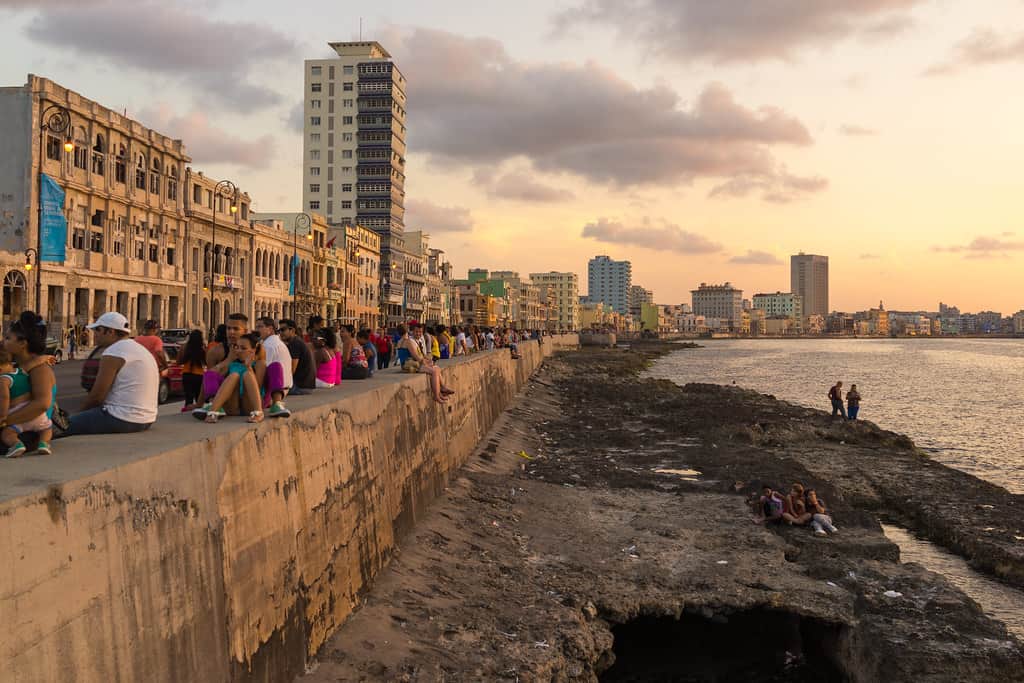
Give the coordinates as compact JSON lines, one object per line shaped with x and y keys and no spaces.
{"x":56,"y":120}
{"x":224,"y":188}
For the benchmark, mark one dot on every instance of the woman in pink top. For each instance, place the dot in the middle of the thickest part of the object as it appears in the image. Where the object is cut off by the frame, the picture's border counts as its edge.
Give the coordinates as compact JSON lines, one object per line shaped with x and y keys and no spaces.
{"x":327,"y":365}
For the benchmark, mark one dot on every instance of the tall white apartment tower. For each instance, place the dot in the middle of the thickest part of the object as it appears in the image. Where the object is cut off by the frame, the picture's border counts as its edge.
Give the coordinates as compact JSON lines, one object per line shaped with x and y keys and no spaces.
{"x":808,"y":277}
{"x":608,"y":282}
{"x":354,"y":152}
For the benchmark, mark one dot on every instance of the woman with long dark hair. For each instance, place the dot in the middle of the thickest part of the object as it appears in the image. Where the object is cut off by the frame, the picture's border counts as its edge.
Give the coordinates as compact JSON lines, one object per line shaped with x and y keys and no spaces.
{"x":192,"y":358}
{"x":25,"y":340}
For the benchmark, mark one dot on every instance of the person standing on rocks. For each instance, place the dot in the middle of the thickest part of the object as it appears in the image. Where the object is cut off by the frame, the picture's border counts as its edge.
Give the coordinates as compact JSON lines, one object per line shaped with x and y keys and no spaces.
{"x":835,"y":394}
{"x":852,"y":402}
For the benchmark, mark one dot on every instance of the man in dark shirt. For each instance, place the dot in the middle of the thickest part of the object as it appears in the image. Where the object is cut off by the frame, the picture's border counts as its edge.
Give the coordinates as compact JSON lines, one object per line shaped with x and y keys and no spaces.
{"x":303,"y":368}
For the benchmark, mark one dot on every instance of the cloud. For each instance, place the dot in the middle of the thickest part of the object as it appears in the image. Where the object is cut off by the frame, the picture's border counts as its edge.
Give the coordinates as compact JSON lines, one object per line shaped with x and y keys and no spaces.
{"x":170,"y":42}
{"x":476,"y":105}
{"x":205,"y":143}
{"x":779,"y":187}
{"x":422,"y":214}
{"x":520,"y":186}
{"x":296,"y":118}
{"x":982,"y":47}
{"x":854,"y":130}
{"x":757,"y":258}
{"x":723,"y":31}
{"x":660,"y":235}
{"x":985,"y":247}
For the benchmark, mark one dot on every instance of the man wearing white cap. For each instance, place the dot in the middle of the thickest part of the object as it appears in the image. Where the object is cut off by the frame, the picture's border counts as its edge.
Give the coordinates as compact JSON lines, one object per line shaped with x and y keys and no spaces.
{"x":124,"y":397}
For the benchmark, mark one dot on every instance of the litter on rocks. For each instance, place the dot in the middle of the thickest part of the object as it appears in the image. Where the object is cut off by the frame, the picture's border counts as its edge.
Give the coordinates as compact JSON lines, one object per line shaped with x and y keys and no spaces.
{"x":892,"y":594}
{"x":523,"y":454}
{"x":722,"y":562}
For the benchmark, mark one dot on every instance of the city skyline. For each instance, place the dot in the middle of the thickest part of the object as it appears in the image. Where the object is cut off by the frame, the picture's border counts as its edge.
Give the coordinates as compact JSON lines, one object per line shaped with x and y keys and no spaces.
{"x":834,"y":134}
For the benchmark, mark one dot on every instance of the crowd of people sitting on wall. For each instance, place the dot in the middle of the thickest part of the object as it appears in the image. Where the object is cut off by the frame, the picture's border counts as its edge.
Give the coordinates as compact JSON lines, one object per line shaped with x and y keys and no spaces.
{"x":800,"y":507}
{"x":237,"y":372}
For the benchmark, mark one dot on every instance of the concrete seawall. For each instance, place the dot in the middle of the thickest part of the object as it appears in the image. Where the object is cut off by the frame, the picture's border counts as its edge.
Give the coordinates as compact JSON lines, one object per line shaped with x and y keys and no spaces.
{"x":229,"y":552}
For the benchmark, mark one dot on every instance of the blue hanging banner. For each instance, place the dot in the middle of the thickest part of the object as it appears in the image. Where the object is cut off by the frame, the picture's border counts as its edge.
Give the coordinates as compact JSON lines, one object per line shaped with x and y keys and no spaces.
{"x":53,"y":231}
{"x":291,"y":280}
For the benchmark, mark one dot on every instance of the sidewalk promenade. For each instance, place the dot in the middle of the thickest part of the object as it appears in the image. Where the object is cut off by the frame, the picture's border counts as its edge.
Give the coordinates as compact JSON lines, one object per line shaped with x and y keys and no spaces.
{"x":231,"y":551}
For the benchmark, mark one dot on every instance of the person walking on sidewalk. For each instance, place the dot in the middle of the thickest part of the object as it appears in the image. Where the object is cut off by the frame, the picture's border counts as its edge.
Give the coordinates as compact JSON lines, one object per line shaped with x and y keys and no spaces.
{"x":835,"y":394}
{"x":853,"y":402}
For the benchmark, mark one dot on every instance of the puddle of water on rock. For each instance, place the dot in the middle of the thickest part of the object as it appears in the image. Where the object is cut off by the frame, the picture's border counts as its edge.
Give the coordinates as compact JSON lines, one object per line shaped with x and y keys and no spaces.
{"x":997,"y":599}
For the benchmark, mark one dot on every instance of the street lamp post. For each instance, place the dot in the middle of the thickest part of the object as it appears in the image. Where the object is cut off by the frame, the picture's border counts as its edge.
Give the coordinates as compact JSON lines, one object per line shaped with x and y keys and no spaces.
{"x":55,"y":119}
{"x":224,"y":188}
{"x":304,"y":221}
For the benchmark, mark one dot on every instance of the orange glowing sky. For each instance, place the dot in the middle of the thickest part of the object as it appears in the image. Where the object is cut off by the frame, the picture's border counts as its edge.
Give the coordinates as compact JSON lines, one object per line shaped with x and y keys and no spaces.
{"x":702,"y":141}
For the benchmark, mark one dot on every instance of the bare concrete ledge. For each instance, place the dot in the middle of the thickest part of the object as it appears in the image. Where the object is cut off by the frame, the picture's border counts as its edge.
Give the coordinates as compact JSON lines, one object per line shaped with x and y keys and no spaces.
{"x":197,"y":552}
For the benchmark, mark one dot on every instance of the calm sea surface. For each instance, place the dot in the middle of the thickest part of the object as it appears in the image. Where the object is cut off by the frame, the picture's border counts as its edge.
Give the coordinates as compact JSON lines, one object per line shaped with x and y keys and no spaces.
{"x":960,"y":399}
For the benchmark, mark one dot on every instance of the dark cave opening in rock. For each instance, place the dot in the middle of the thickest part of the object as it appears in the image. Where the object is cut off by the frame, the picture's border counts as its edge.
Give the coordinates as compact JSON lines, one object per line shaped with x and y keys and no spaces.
{"x":755,"y":646}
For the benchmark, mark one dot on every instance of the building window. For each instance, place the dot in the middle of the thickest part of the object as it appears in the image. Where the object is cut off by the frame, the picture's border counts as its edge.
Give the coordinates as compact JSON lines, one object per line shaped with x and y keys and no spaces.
{"x":315,"y":87}
{"x":314,"y":170}
{"x":347,"y":70}
{"x":53,"y":148}
{"x":315,"y":70}
{"x":170,"y":256}
{"x":314,"y":188}
{"x":346,"y":86}
{"x":118,"y":247}
{"x":346,"y":205}
{"x":197,"y":195}
{"x":81,"y":151}
{"x":140,"y":173}
{"x":314,"y":154}
{"x":96,"y":242}
{"x":244,"y":210}
{"x":172,"y":184}
{"x":314,"y":104}
{"x":314,"y":205}
{"x":314,"y":137}
{"x":346,"y":137}
{"x":154,"y":179}
{"x":195,"y":259}
{"x":346,"y":169}
{"x":346,"y":103}
{"x":140,"y":250}
{"x":153,"y":253}
{"x":78,"y":239}
{"x":346,"y":187}
{"x":346,"y":120}
{"x":121,"y":165}
{"x":314,"y":120}
{"x":346,"y":154}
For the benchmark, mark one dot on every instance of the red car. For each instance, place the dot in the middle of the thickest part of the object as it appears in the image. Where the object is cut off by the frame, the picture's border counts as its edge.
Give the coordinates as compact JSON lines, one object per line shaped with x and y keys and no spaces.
{"x":170,"y":379}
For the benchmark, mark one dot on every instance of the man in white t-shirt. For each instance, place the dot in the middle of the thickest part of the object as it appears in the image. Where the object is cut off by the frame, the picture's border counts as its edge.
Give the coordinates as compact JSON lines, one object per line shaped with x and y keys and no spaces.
{"x":124,"y":397}
{"x":278,"y":379}
{"x":460,"y":344}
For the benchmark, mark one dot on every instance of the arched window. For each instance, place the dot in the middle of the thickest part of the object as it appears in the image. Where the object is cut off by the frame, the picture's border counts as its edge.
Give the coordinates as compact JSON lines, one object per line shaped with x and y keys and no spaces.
{"x":140,"y":172}
{"x":229,"y":255}
{"x":154,"y":177}
{"x":81,"y":154}
{"x":121,"y":165}
{"x":14,"y":294}
{"x":99,"y":155}
{"x":172,"y":183}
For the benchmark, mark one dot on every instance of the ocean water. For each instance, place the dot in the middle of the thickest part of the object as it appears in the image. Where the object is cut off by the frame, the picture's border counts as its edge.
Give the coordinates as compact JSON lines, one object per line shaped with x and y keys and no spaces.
{"x":962,"y":400}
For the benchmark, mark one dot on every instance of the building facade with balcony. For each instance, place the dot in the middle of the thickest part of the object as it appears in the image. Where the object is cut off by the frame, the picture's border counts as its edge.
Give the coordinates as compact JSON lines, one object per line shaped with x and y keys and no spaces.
{"x":298,"y":237}
{"x":561,"y":291}
{"x":114,"y":211}
{"x":722,"y":302}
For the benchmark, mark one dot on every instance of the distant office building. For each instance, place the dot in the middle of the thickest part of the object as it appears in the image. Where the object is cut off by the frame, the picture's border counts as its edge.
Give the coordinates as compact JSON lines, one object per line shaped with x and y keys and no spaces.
{"x":723,"y":302}
{"x":561,"y":291}
{"x":781,"y":304}
{"x":608,"y":282}
{"x":808,"y":276}
{"x":638,"y":296}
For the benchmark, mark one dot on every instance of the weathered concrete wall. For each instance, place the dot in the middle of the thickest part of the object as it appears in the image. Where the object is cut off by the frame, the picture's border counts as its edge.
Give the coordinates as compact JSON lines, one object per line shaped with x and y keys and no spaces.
{"x":234,"y":558}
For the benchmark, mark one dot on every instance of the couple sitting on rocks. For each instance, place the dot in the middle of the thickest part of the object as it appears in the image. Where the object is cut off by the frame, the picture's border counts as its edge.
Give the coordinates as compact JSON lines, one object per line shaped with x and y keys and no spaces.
{"x":800,"y":507}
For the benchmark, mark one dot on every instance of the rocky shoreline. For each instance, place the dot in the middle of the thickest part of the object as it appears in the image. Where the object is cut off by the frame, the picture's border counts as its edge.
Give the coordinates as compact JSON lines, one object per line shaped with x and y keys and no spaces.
{"x":602,"y":533}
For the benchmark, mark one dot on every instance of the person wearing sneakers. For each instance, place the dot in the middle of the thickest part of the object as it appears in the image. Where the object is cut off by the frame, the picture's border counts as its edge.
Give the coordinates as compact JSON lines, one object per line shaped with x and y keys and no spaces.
{"x":277,"y":381}
{"x":124,"y":397}
{"x":241,"y":384}
{"x":821,"y":522}
{"x":33,"y":388}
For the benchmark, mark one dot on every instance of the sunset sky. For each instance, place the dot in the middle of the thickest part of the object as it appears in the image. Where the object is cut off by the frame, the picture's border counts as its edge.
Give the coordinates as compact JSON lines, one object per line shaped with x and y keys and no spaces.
{"x":703,"y":141}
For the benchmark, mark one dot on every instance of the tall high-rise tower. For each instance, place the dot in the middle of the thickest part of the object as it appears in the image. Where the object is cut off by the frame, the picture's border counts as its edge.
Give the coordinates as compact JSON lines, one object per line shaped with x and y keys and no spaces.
{"x":354,"y":151}
{"x":608,"y":282}
{"x":808,"y":277}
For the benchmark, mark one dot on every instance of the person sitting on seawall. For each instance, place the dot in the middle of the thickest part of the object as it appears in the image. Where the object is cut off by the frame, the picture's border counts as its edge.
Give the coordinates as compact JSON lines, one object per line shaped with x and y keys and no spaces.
{"x":363,"y":339}
{"x":193,"y":364}
{"x":277,"y":381}
{"x":15,"y":396}
{"x":771,"y":506}
{"x":222,"y":361}
{"x":444,"y":342}
{"x":303,"y":366}
{"x":820,"y":521}
{"x":324,"y":343}
{"x":796,"y":511}
{"x":852,"y":402}
{"x":241,"y":385}
{"x":124,"y":397}
{"x":412,"y":359}
{"x":352,"y":355}
{"x":433,"y":343}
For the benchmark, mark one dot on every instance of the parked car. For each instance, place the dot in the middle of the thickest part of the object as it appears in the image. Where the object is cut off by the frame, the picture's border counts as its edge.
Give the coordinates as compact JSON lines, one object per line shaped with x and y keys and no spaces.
{"x":170,"y":379}
{"x":54,"y":348}
{"x":175,"y":335}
